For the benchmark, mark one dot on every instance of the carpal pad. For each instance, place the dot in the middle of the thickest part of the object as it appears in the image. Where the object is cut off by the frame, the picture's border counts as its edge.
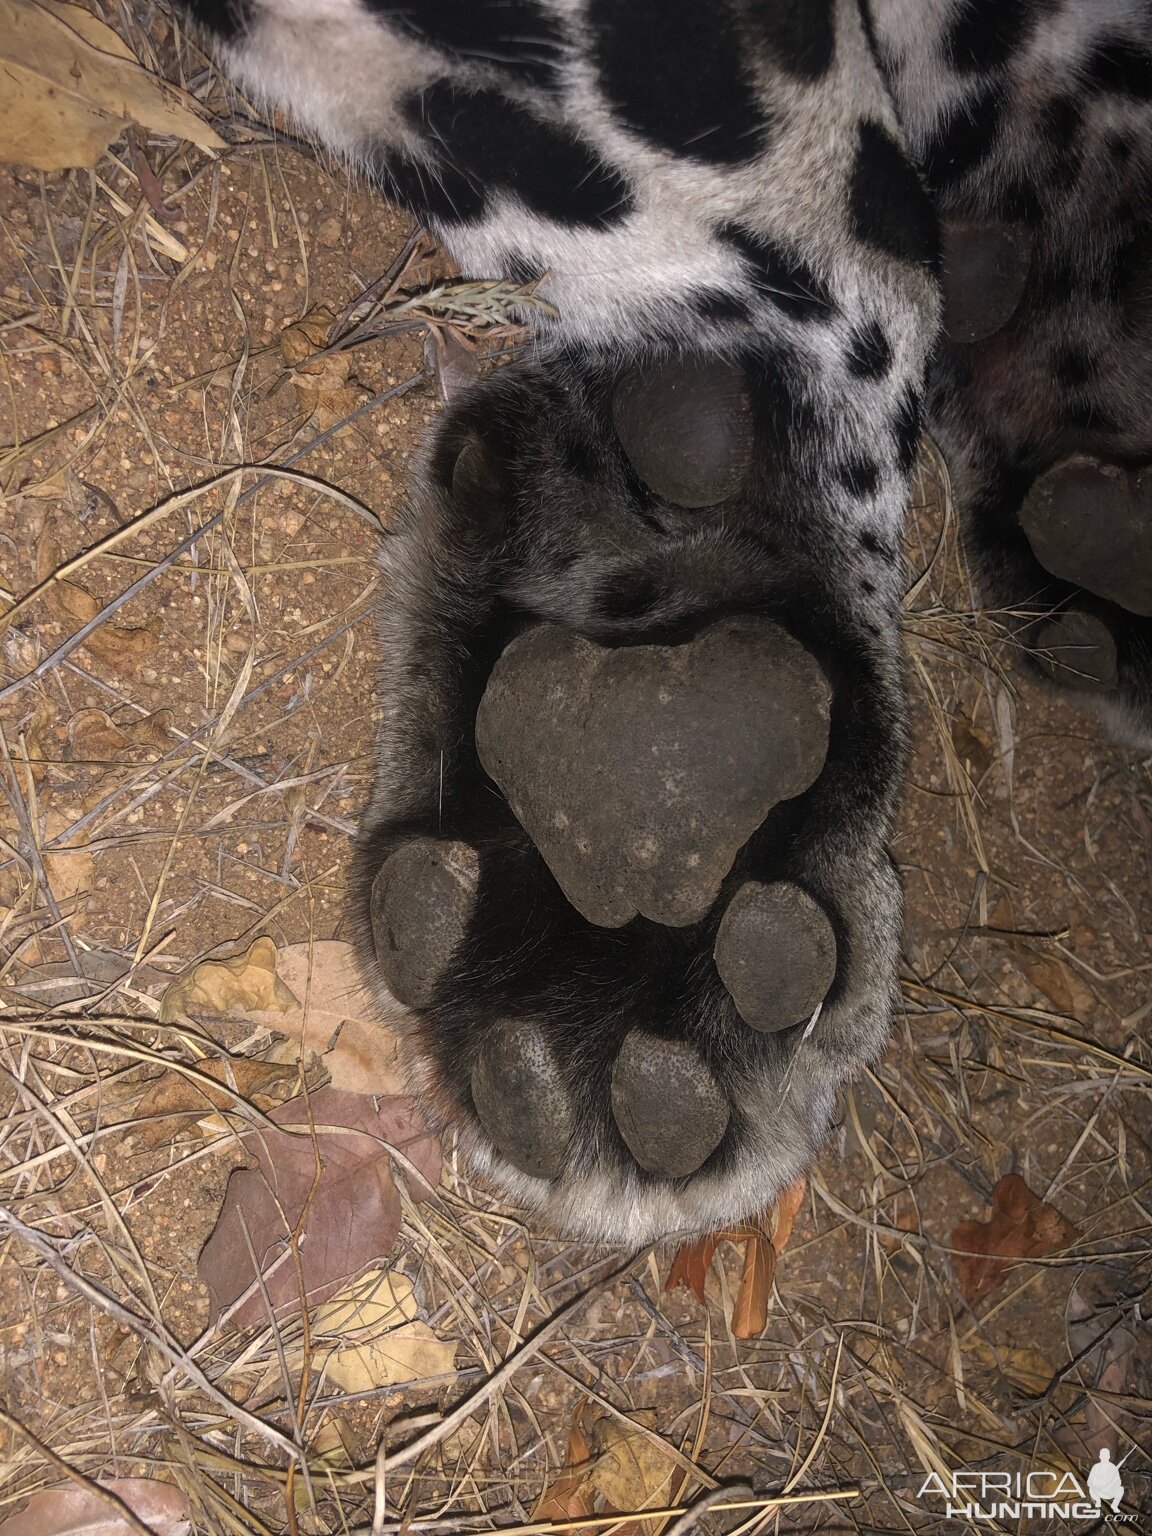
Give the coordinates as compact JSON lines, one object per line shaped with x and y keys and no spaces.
{"x":640,"y":771}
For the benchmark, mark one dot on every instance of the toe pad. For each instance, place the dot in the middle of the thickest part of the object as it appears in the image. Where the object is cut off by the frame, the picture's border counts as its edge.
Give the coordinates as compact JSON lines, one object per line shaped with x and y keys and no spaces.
{"x":1091,"y":524}
{"x":776,"y":954}
{"x":687,"y":430}
{"x":422,"y":902}
{"x":669,"y":1109}
{"x":520,"y":1098}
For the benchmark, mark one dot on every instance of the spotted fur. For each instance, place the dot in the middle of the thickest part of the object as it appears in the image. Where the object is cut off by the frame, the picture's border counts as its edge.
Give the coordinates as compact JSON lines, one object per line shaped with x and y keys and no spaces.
{"x":762,"y":181}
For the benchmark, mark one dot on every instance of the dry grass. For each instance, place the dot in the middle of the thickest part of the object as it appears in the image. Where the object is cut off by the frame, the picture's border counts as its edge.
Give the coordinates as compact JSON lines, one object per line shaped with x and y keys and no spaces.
{"x":1025,"y":845}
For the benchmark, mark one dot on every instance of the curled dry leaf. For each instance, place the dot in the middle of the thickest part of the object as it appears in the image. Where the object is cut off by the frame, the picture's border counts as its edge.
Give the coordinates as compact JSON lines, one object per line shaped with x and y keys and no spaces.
{"x":243,"y":984}
{"x":77,"y":1511}
{"x":331,"y":1191}
{"x":324,"y":385}
{"x":94,"y":737}
{"x":173,"y":1101}
{"x":384,"y":1342}
{"x":1021,"y":1227}
{"x":569,"y":1496}
{"x":973,"y":746}
{"x":72,"y":86}
{"x":750,"y":1309}
{"x":764,"y":1239}
{"x":336,"y":1018}
{"x":111,"y":644}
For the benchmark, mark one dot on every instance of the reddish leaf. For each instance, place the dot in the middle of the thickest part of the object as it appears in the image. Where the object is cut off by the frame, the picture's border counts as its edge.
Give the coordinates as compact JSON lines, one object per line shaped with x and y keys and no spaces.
{"x":691,"y":1264}
{"x":340,"y":1183}
{"x":785,"y":1212}
{"x":750,"y":1311}
{"x":1021,"y":1227}
{"x":569,"y":1496}
{"x":71,"y":1510}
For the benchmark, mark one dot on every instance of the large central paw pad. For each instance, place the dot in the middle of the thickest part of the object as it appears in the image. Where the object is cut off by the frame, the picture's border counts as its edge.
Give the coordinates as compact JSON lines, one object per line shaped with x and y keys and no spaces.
{"x":640,"y":771}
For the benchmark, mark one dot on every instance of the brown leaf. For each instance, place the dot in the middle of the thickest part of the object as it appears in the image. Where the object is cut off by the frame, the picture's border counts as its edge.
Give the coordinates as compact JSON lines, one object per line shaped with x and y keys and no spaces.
{"x":245,"y":984}
{"x":126,"y":649}
{"x":170,"y":1103}
{"x":1022,"y":1226}
{"x":70,"y":1510}
{"x":71,"y":87}
{"x":631,"y":1470}
{"x":750,"y":1310}
{"x":1067,"y":993}
{"x":336,"y":1187}
{"x":70,"y":868}
{"x":94,"y":737}
{"x":336,"y":1018}
{"x":691,"y":1263}
{"x":569,"y":1497}
{"x":785,"y":1211}
{"x":973,"y":746}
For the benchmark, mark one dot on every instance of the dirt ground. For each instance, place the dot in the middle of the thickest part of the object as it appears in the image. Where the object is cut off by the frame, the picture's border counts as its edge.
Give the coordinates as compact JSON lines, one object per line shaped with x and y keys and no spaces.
{"x":188,"y":778}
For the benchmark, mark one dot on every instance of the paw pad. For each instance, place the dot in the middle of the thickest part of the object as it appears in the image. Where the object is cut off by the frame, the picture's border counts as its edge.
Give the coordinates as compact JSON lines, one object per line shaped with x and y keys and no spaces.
{"x":776,"y":954}
{"x":422,"y":902}
{"x":640,"y":771}
{"x":985,"y":269}
{"x":1077,"y":650}
{"x":687,"y":430}
{"x":667,"y":1105}
{"x":1091,"y":524}
{"x":519,"y":1095}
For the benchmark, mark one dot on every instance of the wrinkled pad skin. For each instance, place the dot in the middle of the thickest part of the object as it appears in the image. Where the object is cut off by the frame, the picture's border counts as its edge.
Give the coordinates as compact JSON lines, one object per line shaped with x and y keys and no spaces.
{"x":776,"y":954}
{"x":687,"y":429}
{"x":519,"y":1095}
{"x":669,"y":1108}
{"x":422,"y":903}
{"x":1090,"y":523}
{"x":640,"y":771}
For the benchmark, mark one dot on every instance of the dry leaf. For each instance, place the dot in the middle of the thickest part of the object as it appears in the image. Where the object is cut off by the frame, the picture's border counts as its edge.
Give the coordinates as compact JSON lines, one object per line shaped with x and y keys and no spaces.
{"x":334,"y":1191}
{"x":569,"y":1497}
{"x":126,"y":649}
{"x":411,"y":1352}
{"x":785,"y":1212}
{"x":1058,"y":982}
{"x":322,"y":380}
{"x":335,"y":1018}
{"x":334,"y":1444}
{"x":386,"y":1344}
{"x":75,"y":1511}
{"x":376,"y":1301}
{"x":173,"y":1101}
{"x":70,"y":873}
{"x":243,"y":984}
{"x":71,"y":87}
{"x":973,"y":746}
{"x":1025,"y":1368}
{"x":691,"y":1263}
{"x":750,"y":1310}
{"x":1022,"y":1226}
{"x":631,"y":1470}
{"x":94,"y":737}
